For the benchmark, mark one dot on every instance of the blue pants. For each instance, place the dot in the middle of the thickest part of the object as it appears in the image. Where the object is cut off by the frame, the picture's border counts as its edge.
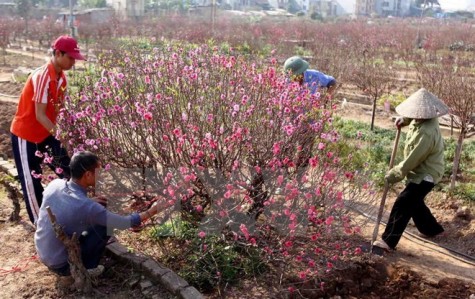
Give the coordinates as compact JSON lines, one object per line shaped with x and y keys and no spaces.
{"x":410,"y":204}
{"x":92,"y":248}
{"x":26,"y":162}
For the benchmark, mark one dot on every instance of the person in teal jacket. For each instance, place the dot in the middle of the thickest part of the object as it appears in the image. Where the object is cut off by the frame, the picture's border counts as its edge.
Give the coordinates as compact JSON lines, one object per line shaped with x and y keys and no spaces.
{"x":315,"y":81}
{"x":423,"y":167}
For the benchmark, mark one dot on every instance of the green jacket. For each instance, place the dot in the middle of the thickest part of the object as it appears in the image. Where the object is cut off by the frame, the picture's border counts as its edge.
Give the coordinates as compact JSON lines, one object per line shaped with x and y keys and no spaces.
{"x":423,"y":154}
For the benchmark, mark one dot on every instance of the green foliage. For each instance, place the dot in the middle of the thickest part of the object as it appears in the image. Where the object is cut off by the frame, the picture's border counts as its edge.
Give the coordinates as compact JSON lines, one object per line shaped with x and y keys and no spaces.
{"x":169,"y":4}
{"x":212,"y":261}
{"x":21,"y":78}
{"x":244,"y":48}
{"x":92,"y":3}
{"x":137,"y":43}
{"x":350,"y":129}
{"x":220,"y":264}
{"x":293,"y":6}
{"x":24,"y":7}
{"x":316,"y":16}
{"x":394,"y":99}
{"x":225,"y":47}
{"x":369,"y":150}
{"x":78,"y":79}
{"x":301,"y":51}
{"x":466,"y":159}
{"x":465,"y":191}
{"x":173,"y":227}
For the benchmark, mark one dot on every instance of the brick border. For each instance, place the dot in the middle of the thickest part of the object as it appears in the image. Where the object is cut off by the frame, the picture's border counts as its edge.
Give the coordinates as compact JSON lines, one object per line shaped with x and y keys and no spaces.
{"x":173,"y":283}
{"x":164,"y":276}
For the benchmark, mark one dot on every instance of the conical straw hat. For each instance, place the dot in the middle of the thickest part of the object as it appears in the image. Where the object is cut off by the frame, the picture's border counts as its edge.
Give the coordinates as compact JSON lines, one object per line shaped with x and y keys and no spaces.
{"x":422,"y":105}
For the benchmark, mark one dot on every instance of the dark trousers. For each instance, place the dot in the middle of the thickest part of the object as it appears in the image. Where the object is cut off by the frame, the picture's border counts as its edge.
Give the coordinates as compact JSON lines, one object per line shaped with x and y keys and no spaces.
{"x":92,"y":247}
{"x":410,"y":204}
{"x":27,"y":162}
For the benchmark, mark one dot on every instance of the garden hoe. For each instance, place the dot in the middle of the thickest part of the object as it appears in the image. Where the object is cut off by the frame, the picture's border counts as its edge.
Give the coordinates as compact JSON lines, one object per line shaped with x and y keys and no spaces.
{"x":371,"y":248}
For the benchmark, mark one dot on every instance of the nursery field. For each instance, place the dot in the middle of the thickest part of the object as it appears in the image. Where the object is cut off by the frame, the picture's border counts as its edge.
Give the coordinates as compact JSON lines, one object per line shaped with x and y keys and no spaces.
{"x":205,"y":116}
{"x":420,"y":268}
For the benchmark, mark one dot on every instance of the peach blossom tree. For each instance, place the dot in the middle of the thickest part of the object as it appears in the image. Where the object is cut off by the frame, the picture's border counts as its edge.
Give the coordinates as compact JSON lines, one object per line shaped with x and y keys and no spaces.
{"x":226,"y":134}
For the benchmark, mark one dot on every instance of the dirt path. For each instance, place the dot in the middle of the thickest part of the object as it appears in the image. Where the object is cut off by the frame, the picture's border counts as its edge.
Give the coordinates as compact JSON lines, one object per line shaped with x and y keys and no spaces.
{"x":427,"y":258}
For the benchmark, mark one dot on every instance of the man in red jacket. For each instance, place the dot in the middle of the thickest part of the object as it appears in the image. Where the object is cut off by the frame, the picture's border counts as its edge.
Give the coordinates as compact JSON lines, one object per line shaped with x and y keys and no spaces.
{"x":33,"y":128}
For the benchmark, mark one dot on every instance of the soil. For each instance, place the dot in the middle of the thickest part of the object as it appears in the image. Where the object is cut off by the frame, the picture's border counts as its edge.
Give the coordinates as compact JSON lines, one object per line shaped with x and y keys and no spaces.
{"x":23,"y":276}
{"x":420,"y":268}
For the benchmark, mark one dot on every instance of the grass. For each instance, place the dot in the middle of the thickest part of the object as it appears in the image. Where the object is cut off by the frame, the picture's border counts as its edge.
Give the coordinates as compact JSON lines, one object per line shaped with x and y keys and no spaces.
{"x":374,"y":148}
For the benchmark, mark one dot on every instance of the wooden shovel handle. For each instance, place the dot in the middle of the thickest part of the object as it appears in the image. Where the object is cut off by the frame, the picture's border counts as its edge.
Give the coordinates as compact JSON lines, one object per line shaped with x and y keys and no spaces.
{"x":386,"y":189}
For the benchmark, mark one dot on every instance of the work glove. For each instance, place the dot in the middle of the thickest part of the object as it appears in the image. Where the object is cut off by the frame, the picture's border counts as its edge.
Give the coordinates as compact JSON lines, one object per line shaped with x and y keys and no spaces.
{"x":393,"y":176}
{"x":399,"y":122}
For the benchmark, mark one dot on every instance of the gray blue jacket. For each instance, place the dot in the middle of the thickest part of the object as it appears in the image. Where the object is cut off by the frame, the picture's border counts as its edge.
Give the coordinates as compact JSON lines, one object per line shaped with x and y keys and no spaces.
{"x":76,"y":213}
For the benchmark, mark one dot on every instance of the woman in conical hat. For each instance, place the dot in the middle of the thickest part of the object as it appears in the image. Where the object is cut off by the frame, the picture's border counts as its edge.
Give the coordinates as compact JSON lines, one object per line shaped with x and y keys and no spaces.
{"x":423,"y":167}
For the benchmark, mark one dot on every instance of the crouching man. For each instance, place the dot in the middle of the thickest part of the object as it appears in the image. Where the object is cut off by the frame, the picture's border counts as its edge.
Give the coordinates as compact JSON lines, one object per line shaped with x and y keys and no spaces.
{"x":77,"y":213}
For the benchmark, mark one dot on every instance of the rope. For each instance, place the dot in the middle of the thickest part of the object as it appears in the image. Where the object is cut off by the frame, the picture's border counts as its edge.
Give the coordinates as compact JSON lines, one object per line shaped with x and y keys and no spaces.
{"x":460,"y":256}
{"x":8,"y":96}
{"x":21,"y":266}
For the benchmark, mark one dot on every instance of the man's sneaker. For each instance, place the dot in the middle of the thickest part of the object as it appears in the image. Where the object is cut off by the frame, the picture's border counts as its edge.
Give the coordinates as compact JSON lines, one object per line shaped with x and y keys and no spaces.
{"x":94,"y":272}
{"x":381,"y":244}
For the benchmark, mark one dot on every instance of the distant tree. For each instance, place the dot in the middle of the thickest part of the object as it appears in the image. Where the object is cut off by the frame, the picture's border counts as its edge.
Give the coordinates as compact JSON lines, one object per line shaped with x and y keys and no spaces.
{"x":5,"y":30}
{"x":464,"y":14}
{"x":293,"y":6}
{"x":431,"y":3}
{"x":455,"y":85}
{"x":92,"y":3}
{"x":372,"y":75}
{"x":316,"y":16}
{"x":461,"y":101}
{"x":48,"y":31}
{"x":24,"y":8}
{"x":65,"y":3}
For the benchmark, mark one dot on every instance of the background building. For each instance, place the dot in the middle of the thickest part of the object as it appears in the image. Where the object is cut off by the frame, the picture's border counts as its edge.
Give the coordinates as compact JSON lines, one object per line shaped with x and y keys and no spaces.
{"x":128,"y":8}
{"x":397,"y":8}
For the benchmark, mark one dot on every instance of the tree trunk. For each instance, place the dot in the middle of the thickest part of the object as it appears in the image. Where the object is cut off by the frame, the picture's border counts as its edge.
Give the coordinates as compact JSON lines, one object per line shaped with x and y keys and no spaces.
{"x":373,"y":113}
{"x":458,"y":153}
{"x":258,"y":196}
{"x":451,"y":125}
{"x":14,"y":195}
{"x":82,"y":280}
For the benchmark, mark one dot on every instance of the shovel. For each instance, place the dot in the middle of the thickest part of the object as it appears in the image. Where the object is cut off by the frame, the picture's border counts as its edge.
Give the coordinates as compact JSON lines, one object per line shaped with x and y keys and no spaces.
{"x":386,"y":189}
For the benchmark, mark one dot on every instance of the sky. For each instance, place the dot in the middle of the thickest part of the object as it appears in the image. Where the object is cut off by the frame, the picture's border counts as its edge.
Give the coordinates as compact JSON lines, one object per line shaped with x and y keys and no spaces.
{"x":447,"y":5}
{"x":456,"y":4}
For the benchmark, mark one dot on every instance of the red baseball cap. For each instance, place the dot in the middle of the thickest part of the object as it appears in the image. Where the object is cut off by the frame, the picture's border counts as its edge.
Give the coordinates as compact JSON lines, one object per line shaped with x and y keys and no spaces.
{"x":69,"y":45}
